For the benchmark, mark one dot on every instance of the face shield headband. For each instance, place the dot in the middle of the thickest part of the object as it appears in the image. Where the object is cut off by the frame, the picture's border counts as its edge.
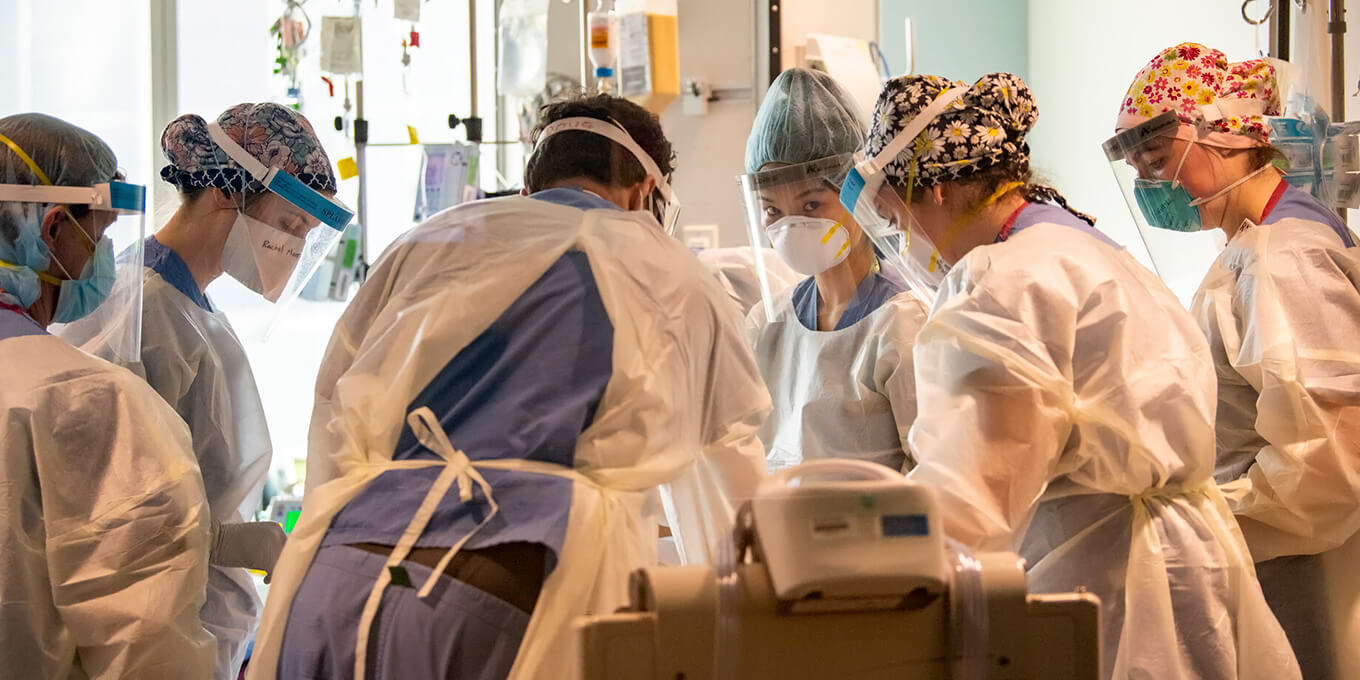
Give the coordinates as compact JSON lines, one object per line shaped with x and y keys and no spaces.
{"x":669,"y":213}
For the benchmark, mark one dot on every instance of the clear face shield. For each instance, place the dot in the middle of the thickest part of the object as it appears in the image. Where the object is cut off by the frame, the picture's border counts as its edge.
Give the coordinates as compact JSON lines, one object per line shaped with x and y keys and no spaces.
{"x":795,"y":209}
{"x":886,"y":218}
{"x":103,"y":220}
{"x":663,"y":203}
{"x":1148,"y":162}
{"x":282,"y":237}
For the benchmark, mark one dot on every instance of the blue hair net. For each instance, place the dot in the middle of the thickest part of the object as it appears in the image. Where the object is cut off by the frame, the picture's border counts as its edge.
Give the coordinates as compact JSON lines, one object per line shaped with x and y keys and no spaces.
{"x":69,"y":156}
{"x":806,"y":115}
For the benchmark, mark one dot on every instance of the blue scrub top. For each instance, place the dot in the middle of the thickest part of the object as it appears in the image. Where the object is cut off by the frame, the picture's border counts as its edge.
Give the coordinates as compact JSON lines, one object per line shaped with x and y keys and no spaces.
{"x":1045,"y":213}
{"x":575,"y":198}
{"x":1298,"y":204}
{"x":873,"y":291}
{"x":527,"y":387}
{"x":171,"y":267}
{"x":17,"y":324}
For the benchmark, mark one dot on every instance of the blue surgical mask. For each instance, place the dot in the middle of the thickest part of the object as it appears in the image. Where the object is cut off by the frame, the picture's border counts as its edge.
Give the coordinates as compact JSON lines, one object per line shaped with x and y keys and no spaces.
{"x":1166,"y":205}
{"x":80,"y":296}
{"x":21,"y":260}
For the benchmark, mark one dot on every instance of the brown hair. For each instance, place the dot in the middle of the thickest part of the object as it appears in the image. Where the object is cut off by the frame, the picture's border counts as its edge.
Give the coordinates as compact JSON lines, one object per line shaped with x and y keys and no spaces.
{"x":583,"y":154}
{"x":1267,"y":155}
{"x":978,"y":187}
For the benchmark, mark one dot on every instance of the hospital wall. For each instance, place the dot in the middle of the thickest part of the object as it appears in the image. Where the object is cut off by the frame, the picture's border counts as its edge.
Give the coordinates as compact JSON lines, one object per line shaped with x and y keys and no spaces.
{"x":964,"y":39}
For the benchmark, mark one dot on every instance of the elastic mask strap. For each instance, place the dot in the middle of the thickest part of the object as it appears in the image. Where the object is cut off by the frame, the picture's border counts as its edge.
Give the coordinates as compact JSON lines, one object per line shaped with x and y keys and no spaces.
{"x":1176,"y":178}
{"x":1201,"y":201}
{"x":957,"y":226}
{"x":52,"y":279}
{"x":88,"y":242}
{"x":90,"y":248}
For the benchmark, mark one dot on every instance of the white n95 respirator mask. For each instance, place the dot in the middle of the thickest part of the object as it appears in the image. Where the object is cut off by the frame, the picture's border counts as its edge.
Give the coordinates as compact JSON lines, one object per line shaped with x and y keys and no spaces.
{"x":261,"y":257}
{"x":809,"y":245}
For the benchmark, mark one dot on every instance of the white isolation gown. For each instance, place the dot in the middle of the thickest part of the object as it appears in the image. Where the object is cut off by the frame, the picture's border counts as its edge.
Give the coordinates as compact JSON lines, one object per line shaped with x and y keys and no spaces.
{"x":844,"y":393}
{"x":681,"y":406}
{"x":104,"y":546}
{"x":1066,"y":413}
{"x":1281,"y":308}
{"x":192,"y":358}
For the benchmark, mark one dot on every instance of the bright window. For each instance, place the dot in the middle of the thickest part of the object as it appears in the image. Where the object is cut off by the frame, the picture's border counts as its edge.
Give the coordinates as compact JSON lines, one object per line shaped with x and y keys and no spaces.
{"x":94,"y":69}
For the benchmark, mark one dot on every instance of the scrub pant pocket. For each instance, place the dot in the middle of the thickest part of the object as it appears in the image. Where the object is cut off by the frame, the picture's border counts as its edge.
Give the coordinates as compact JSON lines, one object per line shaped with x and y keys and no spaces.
{"x":458,"y":632}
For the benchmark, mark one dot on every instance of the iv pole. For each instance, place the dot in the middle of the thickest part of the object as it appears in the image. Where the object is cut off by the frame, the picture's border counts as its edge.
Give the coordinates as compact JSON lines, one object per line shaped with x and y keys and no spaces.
{"x":1336,"y":27}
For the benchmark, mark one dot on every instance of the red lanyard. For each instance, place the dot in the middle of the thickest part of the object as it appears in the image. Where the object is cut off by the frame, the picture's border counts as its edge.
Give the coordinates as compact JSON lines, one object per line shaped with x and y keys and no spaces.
{"x":1006,"y":228}
{"x":1274,"y":200}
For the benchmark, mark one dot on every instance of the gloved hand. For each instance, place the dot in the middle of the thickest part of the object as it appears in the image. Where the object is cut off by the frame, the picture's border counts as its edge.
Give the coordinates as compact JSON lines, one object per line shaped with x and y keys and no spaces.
{"x":1236,"y":490}
{"x":253,"y":545}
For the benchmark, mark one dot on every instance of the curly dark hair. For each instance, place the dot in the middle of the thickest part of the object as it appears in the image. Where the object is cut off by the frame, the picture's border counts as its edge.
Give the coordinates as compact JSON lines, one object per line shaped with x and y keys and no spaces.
{"x":575,"y":153}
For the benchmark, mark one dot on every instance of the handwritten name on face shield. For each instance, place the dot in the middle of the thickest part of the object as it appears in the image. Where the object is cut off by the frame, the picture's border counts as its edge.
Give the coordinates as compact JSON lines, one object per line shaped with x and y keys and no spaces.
{"x":282,"y":248}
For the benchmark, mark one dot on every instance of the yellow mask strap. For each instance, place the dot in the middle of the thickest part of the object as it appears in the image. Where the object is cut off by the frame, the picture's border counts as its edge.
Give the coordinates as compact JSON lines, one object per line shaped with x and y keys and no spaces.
{"x":42,"y":177}
{"x":832,"y":232}
{"x":37,"y":171}
{"x":911,"y":188}
{"x":957,"y":226}
{"x":42,"y":276}
{"x":75,"y":224}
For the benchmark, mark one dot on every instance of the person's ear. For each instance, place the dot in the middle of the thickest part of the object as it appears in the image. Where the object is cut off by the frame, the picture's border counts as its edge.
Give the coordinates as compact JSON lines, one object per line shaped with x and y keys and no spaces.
{"x":51,"y":222}
{"x":645,"y":189}
{"x":936,"y":194}
{"x":221,"y":200}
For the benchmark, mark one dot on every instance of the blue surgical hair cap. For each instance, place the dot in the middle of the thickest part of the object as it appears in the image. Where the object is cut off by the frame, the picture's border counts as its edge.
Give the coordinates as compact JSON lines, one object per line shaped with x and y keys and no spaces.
{"x":806,"y":116}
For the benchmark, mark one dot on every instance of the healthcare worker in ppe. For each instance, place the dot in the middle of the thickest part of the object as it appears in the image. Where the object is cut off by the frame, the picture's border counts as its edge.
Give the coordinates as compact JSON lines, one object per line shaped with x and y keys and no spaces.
{"x":494,"y":415}
{"x":227,"y":222}
{"x":104,"y":540}
{"x":1281,"y":309}
{"x":1066,"y":398}
{"x":834,"y":349}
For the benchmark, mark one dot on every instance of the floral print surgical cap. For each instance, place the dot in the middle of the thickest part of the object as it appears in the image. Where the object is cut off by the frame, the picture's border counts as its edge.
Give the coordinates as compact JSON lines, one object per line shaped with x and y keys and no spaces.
{"x":983,"y":129}
{"x":278,"y":136}
{"x":1205,"y":89}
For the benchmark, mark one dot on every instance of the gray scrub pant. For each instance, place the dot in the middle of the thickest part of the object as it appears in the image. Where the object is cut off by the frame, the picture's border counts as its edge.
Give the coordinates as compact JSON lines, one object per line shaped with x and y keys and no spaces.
{"x":458,"y":632}
{"x":1295,"y":590}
